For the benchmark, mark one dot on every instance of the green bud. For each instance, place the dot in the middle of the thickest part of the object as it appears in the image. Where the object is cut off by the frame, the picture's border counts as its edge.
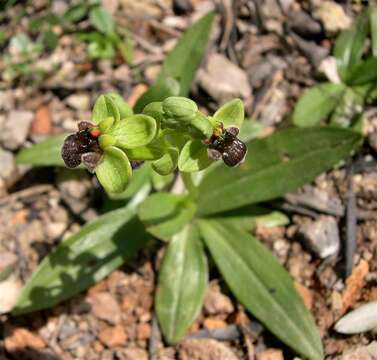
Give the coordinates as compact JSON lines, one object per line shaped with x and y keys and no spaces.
{"x":167,"y":163}
{"x":105,"y":141}
{"x":180,"y":108}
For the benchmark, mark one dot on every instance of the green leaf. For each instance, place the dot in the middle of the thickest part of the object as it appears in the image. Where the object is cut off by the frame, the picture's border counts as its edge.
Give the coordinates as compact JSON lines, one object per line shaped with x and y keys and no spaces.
{"x":193,"y":157}
{"x":167,"y":163}
{"x":200,"y":127}
{"x":182,"y":284}
{"x":105,"y":108}
{"x":45,"y":153}
{"x":83,"y":259}
{"x":181,"y":64}
{"x":161,"y":182}
{"x":349,"y":107}
{"x":231,"y":113}
{"x":373,"y":28}
{"x":134,"y":131}
{"x":250,"y":216}
{"x":101,"y":19}
{"x":165,"y":214}
{"x":317,"y":103}
{"x":363,"y":72}
{"x":263,"y":286}
{"x":114,"y":170}
{"x":75,"y":13}
{"x":349,"y":45}
{"x":50,"y":40}
{"x":275,"y":165}
{"x":125,"y":110}
{"x":101,"y":49}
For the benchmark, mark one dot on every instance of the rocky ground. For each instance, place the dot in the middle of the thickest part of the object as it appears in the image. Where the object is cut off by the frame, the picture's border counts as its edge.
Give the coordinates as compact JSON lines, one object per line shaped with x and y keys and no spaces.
{"x":266,"y":52}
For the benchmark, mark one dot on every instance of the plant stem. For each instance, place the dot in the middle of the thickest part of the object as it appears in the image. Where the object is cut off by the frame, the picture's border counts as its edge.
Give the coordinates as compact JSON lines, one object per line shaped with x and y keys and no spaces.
{"x":189,"y":184}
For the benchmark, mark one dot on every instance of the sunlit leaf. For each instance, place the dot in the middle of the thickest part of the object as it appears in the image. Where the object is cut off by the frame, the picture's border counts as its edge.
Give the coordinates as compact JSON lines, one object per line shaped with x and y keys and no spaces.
{"x":104,"y":108}
{"x":263,"y":286}
{"x":165,"y":214}
{"x":231,"y":113}
{"x":101,"y":19}
{"x":275,"y":165}
{"x":182,"y":283}
{"x":317,"y":103}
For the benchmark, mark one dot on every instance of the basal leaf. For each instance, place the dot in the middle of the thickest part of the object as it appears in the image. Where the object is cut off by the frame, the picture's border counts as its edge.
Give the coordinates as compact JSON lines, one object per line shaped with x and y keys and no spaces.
{"x":248,"y":217}
{"x":275,"y":165}
{"x":193,"y":157}
{"x":373,"y":28}
{"x":181,"y":64}
{"x":363,"y":72}
{"x":231,"y":113}
{"x":104,"y":108}
{"x":45,"y":153}
{"x":134,"y":131}
{"x":114,"y":170}
{"x":263,"y":286}
{"x":101,"y":19}
{"x":165,"y":214}
{"x":317,"y":103}
{"x":91,"y":254}
{"x":182,"y":283}
{"x":349,"y":45}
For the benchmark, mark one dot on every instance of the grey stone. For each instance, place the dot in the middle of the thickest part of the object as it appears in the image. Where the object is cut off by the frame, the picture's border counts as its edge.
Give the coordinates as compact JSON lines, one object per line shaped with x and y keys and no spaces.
{"x":15,"y":129}
{"x":321,"y":236}
{"x":7,"y":165}
{"x":224,"y":80}
{"x":78,"y":101}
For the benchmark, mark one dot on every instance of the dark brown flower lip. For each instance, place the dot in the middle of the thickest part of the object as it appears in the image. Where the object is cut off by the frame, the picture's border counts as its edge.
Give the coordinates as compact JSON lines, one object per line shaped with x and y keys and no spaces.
{"x":84,"y":141}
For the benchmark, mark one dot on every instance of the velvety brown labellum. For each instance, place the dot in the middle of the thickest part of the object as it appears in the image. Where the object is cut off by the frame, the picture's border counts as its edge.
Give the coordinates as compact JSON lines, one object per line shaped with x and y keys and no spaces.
{"x":70,"y":152}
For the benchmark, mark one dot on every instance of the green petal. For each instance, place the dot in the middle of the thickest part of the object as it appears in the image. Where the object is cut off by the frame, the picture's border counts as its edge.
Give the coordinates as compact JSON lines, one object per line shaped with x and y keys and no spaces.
{"x":193,"y":157}
{"x":114,"y":170}
{"x":166,"y":164}
{"x":200,"y":126}
{"x":106,"y":124}
{"x":104,"y":108}
{"x":105,"y":141}
{"x":125,"y":110}
{"x":231,"y":113}
{"x":134,"y":131}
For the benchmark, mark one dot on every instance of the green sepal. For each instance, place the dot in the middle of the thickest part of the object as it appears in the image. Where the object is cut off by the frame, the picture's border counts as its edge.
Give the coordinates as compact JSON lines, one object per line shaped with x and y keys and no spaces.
{"x":106,"y":124}
{"x":106,"y":140}
{"x":154,"y":109}
{"x":193,"y":157}
{"x":114,"y":170}
{"x":125,"y":110}
{"x":134,"y":131}
{"x":200,"y":127}
{"x":231,"y":113}
{"x":167,"y":163}
{"x":179,"y":108}
{"x":104,"y":108}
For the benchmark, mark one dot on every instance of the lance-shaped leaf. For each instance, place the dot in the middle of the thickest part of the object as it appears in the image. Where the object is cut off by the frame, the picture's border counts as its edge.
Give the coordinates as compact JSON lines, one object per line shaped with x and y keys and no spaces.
{"x":134,"y":131}
{"x":114,"y":170}
{"x":193,"y":157}
{"x":83,"y":259}
{"x":349,"y":45}
{"x":231,"y":113}
{"x":45,"y":153}
{"x":167,"y":163}
{"x":104,"y":108}
{"x":373,"y":28}
{"x":125,"y":110}
{"x":102,"y":20}
{"x":165,"y":214}
{"x":263,"y":286}
{"x":363,"y":72}
{"x":181,"y":64}
{"x":248,"y":217}
{"x":317,"y":103}
{"x":182,"y":283}
{"x":275,"y":165}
